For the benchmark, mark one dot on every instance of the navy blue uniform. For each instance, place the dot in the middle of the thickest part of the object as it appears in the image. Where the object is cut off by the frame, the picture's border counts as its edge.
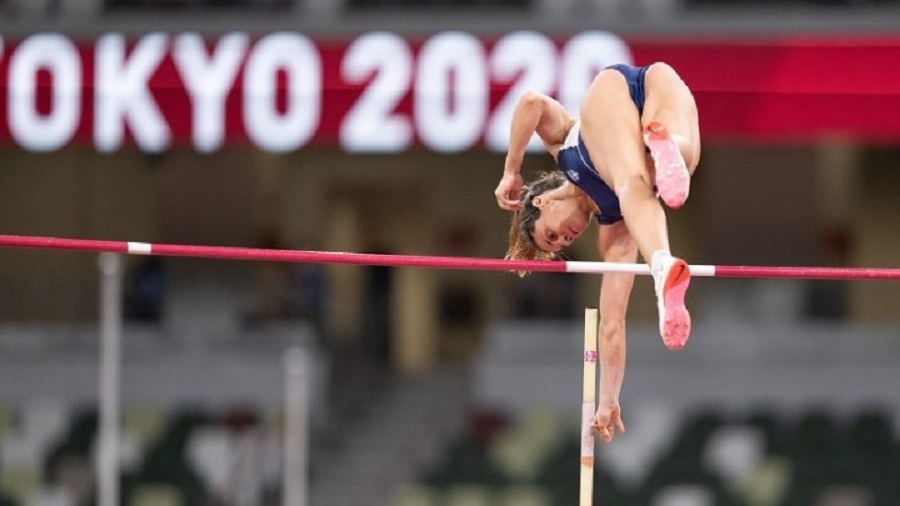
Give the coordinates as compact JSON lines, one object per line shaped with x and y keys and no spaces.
{"x":575,"y":163}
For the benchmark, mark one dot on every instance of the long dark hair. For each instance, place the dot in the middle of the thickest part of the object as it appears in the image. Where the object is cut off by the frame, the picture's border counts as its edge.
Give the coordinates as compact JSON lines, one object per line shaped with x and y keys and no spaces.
{"x":521,"y":230}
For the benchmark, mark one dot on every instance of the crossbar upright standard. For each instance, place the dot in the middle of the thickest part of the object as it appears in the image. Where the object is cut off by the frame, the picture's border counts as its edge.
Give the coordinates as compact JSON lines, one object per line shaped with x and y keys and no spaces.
{"x":588,"y":406}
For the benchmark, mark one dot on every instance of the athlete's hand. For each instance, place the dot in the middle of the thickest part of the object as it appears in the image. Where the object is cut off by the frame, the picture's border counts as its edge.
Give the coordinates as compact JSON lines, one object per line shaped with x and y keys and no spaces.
{"x":607,"y":420}
{"x":509,"y":191}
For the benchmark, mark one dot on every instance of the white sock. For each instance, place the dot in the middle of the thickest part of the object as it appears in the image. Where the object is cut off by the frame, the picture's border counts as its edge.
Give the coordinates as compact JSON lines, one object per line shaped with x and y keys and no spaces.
{"x":657,"y":260}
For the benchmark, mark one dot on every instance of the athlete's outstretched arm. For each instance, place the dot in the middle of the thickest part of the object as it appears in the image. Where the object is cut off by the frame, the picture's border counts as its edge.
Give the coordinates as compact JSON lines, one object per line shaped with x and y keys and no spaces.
{"x":534,"y":113}
{"x":615,"y":244}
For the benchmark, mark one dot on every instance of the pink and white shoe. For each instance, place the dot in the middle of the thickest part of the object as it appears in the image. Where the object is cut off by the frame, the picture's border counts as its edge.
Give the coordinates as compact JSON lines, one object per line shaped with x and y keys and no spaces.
{"x":674,"y":319}
{"x":673,"y":181}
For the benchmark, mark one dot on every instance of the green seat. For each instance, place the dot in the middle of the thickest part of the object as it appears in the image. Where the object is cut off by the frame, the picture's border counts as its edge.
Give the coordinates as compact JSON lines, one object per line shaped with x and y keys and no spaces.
{"x":466,"y":461}
{"x":525,"y":495}
{"x":768,"y":483}
{"x":521,"y":451}
{"x":156,"y":495}
{"x":9,"y":419}
{"x":416,"y":495}
{"x":469,"y":495}
{"x":145,"y":421}
{"x":19,"y":482}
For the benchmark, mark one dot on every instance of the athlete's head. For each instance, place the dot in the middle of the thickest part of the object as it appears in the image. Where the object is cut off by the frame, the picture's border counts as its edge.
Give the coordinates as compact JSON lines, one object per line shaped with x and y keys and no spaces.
{"x":551,"y":216}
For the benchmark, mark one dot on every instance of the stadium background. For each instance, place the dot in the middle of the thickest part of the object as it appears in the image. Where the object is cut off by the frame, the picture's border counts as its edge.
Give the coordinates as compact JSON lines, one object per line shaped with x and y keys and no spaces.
{"x":441,"y":387}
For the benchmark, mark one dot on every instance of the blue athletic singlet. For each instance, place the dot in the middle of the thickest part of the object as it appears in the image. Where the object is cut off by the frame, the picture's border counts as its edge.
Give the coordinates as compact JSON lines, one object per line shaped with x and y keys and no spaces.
{"x":575,"y":163}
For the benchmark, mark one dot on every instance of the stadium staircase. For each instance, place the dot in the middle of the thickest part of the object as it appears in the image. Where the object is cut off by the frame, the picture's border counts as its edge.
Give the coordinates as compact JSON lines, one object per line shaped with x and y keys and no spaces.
{"x":385,"y":445}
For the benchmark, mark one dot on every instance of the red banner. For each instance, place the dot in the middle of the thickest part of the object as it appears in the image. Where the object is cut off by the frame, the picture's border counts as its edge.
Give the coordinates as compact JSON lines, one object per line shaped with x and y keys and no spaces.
{"x":450,"y":92}
{"x":789,"y":88}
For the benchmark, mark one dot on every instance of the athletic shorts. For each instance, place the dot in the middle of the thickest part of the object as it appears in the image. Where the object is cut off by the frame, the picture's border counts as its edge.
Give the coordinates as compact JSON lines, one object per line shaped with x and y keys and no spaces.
{"x":635,"y":78}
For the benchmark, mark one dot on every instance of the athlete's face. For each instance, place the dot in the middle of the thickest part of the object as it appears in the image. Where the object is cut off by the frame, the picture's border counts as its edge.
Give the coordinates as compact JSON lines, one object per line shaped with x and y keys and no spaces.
{"x":562,"y":220}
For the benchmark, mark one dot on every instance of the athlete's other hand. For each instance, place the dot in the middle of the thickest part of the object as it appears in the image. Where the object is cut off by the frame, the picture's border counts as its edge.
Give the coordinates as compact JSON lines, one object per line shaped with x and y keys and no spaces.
{"x":607,"y":419}
{"x":509,"y":191}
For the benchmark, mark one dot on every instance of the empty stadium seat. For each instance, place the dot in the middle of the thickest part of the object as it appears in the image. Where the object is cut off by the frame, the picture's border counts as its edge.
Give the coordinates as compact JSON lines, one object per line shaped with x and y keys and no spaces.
{"x":417,"y":495}
{"x":684,"y":495}
{"x":211,"y":453}
{"x":145,"y":421}
{"x":157,"y":495}
{"x":21,"y":466}
{"x":51,"y":496}
{"x":469,"y":495}
{"x":524,"y":495}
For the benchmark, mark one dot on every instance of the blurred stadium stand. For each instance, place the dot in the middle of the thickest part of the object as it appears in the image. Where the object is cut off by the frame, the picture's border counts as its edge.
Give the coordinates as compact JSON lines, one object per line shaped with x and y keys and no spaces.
{"x":202,"y":420}
{"x":780,"y":416}
{"x":710,"y":458}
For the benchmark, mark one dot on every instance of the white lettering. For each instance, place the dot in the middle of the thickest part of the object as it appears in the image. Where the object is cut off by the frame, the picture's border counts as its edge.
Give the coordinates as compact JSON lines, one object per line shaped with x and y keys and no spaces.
{"x":530,"y":59}
{"x":449,"y":83}
{"x":208,"y":79}
{"x":56,"y":55}
{"x":371,"y":124}
{"x":299,"y":59}
{"x":451,"y":99}
{"x":122,"y":95}
{"x":583,"y":56}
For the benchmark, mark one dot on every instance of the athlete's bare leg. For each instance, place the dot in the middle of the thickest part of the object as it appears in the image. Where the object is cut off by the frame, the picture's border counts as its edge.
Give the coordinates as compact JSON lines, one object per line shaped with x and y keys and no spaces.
{"x":612,"y":132}
{"x":671,"y":132}
{"x":669,"y":101}
{"x":611,"y":129}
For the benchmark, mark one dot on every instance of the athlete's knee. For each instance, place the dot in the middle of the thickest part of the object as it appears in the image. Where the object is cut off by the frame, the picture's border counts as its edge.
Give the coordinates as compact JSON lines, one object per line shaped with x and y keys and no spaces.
{"x":632,"y":185}
{"x":662,"y":71}
{"x":612,"y":325}
{"x":661,"y":66}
